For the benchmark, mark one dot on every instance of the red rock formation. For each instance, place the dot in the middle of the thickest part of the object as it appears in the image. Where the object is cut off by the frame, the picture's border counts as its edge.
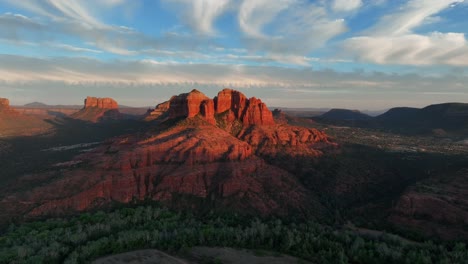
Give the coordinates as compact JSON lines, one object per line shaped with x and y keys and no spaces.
{"x":192,"y":159}
{"x":249,"y":111}
{"x":257,"y":113}
{"x":192,"y":104}
{"x":98,"y":109}
{"x":103,"y":103}
{"x":207,"y":111}
{"x":236,"y":106}
{"x":203,"y":161}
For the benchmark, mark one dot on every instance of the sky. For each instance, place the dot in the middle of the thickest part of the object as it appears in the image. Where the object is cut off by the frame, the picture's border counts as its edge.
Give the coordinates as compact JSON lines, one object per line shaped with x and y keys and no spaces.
{"x":359,"y":54}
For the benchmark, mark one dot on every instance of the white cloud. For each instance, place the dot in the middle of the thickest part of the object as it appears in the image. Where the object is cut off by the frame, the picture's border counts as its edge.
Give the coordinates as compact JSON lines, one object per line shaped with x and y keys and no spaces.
{"x":201,"y":14}
{"x":148,"y":79}
{"x":287,"y":28}
{"x":346,"y":5}
{"x":255,"y":14}
{"x":411,"y":49}
{"x":392,"y":39}
{"x":410,"y":16}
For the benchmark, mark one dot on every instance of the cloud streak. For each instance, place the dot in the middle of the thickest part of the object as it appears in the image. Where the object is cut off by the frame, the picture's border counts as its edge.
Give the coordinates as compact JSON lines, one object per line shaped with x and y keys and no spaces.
{"x":392,"y":40}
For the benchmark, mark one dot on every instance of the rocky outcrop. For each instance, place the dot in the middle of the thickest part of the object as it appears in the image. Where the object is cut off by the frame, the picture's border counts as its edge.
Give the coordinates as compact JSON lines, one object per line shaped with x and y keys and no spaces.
{"x":192,"y":104}
{"x":98,"y":110}
{"x":102,"y":103}
{"x":249,"y":111}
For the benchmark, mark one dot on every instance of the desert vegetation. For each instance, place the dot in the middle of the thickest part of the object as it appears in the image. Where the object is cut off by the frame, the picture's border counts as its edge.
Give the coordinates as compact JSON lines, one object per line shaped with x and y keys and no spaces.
{"x":88,"y":236}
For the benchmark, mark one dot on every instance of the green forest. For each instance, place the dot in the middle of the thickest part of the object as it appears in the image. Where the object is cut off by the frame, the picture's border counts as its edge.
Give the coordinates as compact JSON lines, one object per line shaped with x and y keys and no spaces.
{"x":88,"y":236}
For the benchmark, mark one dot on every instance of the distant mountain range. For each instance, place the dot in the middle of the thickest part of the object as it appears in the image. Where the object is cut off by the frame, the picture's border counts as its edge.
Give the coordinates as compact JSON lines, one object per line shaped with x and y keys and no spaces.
{"x":450,"y":117}
{"x":345,"y":114}
{"x":42,"y":105}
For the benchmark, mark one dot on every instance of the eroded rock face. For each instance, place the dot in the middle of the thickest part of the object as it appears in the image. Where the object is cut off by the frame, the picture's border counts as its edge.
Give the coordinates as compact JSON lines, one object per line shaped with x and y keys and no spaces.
{"x":103,"y":103}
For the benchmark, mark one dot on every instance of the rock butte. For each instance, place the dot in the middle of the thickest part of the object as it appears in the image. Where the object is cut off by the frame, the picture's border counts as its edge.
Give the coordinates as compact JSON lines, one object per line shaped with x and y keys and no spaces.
{"x":98,"y":109}
{"x":104,"y":103}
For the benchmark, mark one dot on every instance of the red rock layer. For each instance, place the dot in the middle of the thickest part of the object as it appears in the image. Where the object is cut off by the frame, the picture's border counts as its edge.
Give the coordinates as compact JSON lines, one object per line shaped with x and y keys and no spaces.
{"x":201,"y":162}
{"x":103,"y":103}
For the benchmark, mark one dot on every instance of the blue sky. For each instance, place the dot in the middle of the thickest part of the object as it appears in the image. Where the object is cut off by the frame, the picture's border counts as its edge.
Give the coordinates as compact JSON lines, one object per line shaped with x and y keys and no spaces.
{"x":363,"y":54}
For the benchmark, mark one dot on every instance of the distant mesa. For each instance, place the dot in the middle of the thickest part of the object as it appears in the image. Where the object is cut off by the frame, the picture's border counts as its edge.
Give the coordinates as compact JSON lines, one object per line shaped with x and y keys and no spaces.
{"x":345,"y":114}
{"x":98,"y":110}
{"x":103,"y":103}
